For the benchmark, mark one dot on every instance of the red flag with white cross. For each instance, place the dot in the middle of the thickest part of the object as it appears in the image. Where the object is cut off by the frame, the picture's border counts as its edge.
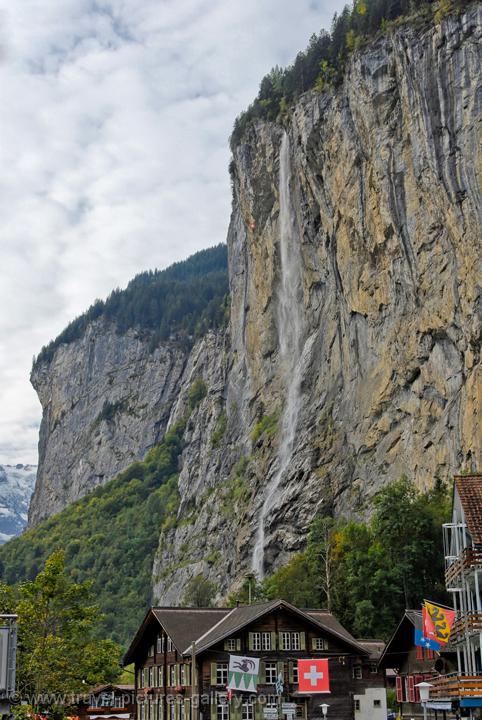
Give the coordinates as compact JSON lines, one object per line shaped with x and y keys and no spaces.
{"x":313,"y":676}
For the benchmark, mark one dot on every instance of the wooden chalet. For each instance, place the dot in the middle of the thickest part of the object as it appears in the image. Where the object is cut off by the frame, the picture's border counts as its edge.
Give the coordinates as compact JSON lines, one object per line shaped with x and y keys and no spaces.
{"x":411,"y":665}
{"x":181,"y":658}
{"x":108,"y":702}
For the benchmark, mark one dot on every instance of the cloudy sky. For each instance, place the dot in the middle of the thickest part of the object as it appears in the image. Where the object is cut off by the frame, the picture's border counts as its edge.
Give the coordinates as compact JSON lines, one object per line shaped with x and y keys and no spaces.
{"x":114,"y":125}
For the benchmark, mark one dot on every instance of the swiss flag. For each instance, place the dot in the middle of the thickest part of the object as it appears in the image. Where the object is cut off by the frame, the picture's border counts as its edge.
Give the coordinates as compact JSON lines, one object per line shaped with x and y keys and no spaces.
{"x":313,"y":676}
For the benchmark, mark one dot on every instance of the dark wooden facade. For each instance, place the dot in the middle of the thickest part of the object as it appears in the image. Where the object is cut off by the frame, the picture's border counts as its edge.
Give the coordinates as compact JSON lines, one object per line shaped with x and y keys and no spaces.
{"x":108,"y":702}
{"x":169,"y":689}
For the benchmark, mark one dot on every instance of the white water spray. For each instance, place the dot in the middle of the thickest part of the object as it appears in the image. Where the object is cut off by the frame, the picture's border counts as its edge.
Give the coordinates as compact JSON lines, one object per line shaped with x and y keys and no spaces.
{"x":290,"y":334}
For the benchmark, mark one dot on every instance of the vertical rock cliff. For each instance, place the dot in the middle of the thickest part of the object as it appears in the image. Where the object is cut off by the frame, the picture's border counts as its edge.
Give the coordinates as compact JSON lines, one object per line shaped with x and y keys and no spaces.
{"x":352,"y":354}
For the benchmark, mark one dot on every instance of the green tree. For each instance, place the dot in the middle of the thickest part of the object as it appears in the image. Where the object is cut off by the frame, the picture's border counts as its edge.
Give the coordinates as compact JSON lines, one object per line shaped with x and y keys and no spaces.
{"x":199,"y":592}
{"x":57,"y":652}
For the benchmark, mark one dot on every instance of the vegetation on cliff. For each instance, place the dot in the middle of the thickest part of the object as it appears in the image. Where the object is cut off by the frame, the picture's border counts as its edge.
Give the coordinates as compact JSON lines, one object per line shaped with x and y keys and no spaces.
{"x":109,"y":537}
{"x":183,"y":302}
{"x":368,"y":573}
{"x":323,"y":62}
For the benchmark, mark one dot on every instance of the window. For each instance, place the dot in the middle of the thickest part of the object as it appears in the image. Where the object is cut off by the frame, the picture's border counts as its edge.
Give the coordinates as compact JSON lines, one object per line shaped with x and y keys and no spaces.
{"x":230,"y":644}
{"x":142,"y":713}
{"x":247,"y":711}
{"x":151,"y":651}
{"x":151,"y":677}
{"x":172,"y":711}
{"x":160,"y":644}
{"x":265,"y":641}
{"x":170,"y":646}
{"x":183,"y":675}
{"x":430,"y":654}
{"x":320,"y":644}
{"x":221,"y":673}
{"x":106,"y":700}
{"x":377,"y":703}
{"x":285,"y":641}
{"x":172,"y":675}
{"x":181,"y":711}
{"x":222,"y":708}
{"x":271,"y":673}
{"x":295,"y":673}
{"x":357,"y":705}
{"x":160,"y":676}
{"x":357,"y":672}
{"x":419,"y":653}
{"x":373,"y":669}
{"x":295,"y":641}
{"x":256,"y":641}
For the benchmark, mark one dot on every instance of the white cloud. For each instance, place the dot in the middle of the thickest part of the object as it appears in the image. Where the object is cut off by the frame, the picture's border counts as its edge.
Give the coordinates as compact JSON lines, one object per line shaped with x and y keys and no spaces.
{"x":114,"y":153}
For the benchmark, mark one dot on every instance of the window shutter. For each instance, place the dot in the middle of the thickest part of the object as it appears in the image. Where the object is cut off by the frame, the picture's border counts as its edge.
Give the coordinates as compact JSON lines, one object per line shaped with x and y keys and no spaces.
{"x":262,"y":673}
{"x":213,"y":673}
{"x":161,"y":709}
{"x":313,"y":643}
{"x":419,"y":653}
{"x":238,"y":644}
{"x":178,"y":676}
{"x":399,"y":687}
{"x":258,"y":710}
{"x":250,"y":641}
{"x":226,"y":645}
{"x":280,"y":669}
{"x":291,"y":678}
{"x":411,"y":689}
{"x":188,"y":675}
{"x":187,"y":709}
{"x":302,"y":641}
{"x":418,"y":679}
{"x":176,"y":710}
{"x":273,"y":641}
{"x":235,"y":708}
{"x":214,"y":710}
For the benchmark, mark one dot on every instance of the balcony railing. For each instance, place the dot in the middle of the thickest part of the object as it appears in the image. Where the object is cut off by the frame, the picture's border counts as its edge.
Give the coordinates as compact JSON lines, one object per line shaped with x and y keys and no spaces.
{"x":456,"y":686}
{"x":468,"y":558}
{"x":470,"y":623}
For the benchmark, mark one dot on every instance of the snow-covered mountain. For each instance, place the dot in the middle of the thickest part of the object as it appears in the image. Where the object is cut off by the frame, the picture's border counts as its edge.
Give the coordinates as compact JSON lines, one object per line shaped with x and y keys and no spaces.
{"x":16,"y":487}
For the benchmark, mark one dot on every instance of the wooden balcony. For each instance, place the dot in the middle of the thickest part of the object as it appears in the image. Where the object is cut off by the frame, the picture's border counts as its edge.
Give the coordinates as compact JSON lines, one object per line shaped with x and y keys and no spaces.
{"x":468,"y":558}
{"x":468,"y":624}
{"x":456,"y":686}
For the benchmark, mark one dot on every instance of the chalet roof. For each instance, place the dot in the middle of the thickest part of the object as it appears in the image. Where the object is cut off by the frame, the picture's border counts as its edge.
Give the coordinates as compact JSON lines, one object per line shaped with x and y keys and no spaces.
{"x":402,"y":639}
{"x":183,"y":625}
{"x":374,"y":647}
{"x":469,"y":488}
{"x":241,"y":616}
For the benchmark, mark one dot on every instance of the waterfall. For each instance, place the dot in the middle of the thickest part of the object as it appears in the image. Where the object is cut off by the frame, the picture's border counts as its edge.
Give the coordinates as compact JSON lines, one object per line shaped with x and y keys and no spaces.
{"x":289,"y":318}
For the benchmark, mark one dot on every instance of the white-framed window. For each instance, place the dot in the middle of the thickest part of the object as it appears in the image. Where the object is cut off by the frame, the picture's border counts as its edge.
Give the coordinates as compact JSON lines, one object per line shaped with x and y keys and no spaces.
{"x":172,"y":711}
{"x":106,"y":700}
{"x":160,"y":644}
{"x":170,"y":645}
{"x":265,"y":641}
{"x":357,"y":705}
{"x":222,"y":707}
{"x":271,"y":673}
{"x":221,"y":673}
{"x":357,"y":672}
{"x":142,"y":711}
{"x":247,"y":711}
{"x":373,"y":669}
{"x":320,"y":643}
{"x":172,"y":675}
{"x":256,"y":640}
{"x":183,"y":675}
{"x":295,"y":641}
{"x":285,"y":641}
{"x":231,"y":644}
{"x":181,"y":711}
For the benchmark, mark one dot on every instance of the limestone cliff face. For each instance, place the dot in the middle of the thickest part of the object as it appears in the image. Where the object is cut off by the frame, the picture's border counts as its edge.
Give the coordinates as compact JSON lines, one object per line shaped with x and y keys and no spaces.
{"x":353,"y":350}
{"x":106,"y":400}
{"x":385,"y":216}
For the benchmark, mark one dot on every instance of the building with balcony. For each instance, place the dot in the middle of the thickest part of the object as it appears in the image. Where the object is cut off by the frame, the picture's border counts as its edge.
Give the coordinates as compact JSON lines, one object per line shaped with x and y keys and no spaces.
{"x":463,"y":579}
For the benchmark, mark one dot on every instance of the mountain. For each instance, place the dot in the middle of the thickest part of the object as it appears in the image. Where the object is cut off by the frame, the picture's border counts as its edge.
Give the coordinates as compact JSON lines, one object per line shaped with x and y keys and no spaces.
{"x":351,"y":355}
{"x":16,"y":486}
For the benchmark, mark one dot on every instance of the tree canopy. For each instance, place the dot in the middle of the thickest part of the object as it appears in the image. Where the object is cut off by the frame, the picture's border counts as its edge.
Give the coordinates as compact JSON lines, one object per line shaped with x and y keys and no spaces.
{"x":323,"y":62}
{"x":181,"y":302}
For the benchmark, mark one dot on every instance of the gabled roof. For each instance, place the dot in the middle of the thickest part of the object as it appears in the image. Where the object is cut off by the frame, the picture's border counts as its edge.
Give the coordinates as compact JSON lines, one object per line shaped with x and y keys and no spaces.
{"x":469,"y":488}
{"x":375,"y":648}
{"x":183,"y":625}
{"x":244,"y":615}
{"x":402,"y":639}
